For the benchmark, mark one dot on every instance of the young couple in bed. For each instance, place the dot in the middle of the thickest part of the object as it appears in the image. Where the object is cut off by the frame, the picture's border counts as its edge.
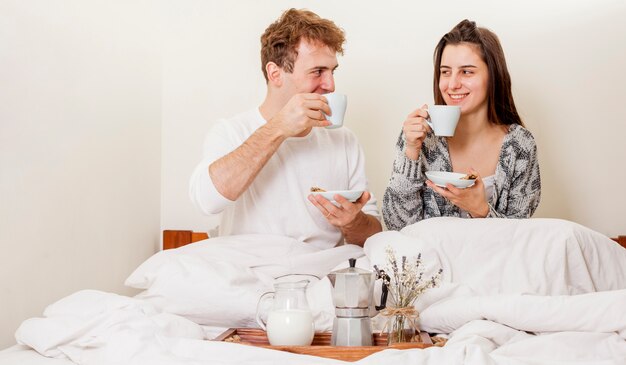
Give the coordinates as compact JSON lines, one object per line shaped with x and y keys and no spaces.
{"x":258,"y":166}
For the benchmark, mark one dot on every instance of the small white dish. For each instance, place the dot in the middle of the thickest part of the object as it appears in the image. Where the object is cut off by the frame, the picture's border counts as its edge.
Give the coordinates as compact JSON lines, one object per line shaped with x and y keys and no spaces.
{"x":441,"y":178}
{"x":351,"y":195}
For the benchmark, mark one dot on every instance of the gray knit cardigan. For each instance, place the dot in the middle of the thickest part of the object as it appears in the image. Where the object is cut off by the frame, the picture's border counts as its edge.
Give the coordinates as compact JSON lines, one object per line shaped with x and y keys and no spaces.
{"x":517,"y":183}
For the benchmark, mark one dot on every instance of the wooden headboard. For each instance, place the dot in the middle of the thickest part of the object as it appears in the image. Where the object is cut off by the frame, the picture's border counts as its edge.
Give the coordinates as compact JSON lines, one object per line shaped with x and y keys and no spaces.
{"x":174,"y":238}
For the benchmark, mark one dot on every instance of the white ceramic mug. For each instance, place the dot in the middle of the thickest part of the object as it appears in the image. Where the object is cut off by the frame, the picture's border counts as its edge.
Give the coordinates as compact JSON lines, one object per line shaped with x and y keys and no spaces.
{"x":337,"y":103}
{"x":443,"y":119}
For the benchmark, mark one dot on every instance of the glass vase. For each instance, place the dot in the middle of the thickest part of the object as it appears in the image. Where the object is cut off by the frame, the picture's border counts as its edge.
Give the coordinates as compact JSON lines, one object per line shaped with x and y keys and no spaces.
{"x":401,"y":328}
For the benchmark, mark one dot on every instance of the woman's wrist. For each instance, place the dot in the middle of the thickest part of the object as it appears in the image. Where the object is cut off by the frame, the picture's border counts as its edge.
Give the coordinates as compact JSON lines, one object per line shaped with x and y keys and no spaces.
{"x":483,"y":212}
{"x":412,"y":153}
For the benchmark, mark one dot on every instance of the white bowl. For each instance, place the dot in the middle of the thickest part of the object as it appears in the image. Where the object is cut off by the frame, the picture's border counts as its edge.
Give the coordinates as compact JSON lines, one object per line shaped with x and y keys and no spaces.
{"x":351,"y":195}
{"x":441,"y":178}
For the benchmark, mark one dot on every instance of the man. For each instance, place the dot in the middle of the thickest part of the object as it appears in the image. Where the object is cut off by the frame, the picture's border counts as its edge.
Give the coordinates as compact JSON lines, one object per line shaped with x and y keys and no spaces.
{"x":259,"y":166}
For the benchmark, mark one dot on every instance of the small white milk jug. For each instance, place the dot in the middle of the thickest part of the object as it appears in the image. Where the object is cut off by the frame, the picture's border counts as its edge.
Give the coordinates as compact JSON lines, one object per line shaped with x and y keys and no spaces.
{"x":289,"y":321}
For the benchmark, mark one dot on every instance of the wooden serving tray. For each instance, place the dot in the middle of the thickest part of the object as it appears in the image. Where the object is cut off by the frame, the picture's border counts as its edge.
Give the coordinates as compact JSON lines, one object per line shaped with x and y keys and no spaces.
{"x":321,"y":344}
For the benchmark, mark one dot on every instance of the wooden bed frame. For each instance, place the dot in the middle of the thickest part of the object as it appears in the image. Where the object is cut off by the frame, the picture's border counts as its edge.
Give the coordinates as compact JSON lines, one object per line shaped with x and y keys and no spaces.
{"x":174,"y":238}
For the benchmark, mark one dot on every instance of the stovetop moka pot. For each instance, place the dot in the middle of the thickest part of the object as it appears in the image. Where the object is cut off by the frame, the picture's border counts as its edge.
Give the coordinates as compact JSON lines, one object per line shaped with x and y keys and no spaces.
{"x":353,"y":293}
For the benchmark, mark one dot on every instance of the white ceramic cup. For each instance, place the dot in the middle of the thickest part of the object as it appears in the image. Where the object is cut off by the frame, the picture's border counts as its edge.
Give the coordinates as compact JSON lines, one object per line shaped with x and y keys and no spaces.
{"x":443,"y":119}
{"x":337,"y":103}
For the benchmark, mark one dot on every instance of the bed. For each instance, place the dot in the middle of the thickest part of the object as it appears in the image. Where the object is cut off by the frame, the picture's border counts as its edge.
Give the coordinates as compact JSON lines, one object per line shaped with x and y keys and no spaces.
{"x":179,"y":238}
{"x":538,"y":291}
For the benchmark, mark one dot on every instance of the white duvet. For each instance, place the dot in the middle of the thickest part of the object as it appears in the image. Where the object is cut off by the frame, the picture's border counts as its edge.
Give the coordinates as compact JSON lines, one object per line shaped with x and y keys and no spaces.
{"x":538,"y":291}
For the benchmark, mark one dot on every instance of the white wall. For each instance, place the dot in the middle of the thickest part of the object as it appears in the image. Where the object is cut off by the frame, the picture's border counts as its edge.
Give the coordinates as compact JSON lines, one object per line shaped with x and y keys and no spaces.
{"x":566,"y":59}
{"x":80,"y":129}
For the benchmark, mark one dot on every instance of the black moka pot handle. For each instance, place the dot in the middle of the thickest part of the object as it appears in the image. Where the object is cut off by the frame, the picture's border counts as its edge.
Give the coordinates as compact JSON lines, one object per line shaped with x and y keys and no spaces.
{"x":384,"y":289}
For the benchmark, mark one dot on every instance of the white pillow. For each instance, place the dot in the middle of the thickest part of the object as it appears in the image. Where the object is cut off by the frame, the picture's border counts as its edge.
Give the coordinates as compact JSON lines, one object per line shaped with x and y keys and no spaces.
{"x":491,"y":256}
{"x":218,"y":281}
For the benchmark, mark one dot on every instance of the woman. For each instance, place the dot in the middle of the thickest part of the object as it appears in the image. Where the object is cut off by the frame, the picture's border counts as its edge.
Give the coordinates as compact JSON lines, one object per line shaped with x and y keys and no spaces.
{"x":490,"y":140}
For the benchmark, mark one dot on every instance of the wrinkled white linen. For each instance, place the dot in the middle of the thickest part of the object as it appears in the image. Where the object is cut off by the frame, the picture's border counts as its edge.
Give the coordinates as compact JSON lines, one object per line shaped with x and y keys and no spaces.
{"x":24,"y":355}
{"x":592,"y":312}
{"x":218,"y":281}
{"x":513,"y":292}
{"x":114,"y":326}
{"x":510,"y":256}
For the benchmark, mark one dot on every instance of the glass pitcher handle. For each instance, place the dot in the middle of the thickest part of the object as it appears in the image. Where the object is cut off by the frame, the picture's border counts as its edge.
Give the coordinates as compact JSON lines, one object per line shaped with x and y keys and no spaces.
{"x":263,"y":298}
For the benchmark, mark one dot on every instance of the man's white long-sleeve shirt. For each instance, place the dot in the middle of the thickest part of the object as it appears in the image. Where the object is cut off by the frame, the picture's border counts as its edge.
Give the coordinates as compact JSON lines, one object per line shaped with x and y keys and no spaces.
{"x":276,"y":201}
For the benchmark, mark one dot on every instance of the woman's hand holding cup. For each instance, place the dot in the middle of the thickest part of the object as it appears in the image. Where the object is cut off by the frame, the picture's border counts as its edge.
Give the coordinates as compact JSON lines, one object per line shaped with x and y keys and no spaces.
{"x":415,"y":129}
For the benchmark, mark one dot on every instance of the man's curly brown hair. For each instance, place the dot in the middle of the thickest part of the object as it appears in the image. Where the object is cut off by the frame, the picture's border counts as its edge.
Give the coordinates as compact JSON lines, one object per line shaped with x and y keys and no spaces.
{"x":279,"y":42}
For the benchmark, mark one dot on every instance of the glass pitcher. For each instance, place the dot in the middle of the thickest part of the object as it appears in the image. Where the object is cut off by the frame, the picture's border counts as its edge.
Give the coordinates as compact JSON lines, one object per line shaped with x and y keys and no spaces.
{"x":289,"y":320}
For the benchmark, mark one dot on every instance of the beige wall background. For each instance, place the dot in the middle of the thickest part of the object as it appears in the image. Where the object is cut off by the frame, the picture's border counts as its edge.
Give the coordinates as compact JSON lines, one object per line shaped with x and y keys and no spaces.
{"x":105,"y":105}
{"x":565,"y":59}
{"x":80,"y":150}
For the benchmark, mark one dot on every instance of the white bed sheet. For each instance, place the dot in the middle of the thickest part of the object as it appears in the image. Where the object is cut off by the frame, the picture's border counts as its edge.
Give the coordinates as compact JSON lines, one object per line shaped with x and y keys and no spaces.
{"x":24,"y":355}
{"x":565,"y":283}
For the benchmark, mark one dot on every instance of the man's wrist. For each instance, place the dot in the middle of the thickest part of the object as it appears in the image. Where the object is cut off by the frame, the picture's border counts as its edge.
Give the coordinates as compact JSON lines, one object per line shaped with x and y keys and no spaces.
{"x":355,"y":222}
{"x":273,"y":132}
